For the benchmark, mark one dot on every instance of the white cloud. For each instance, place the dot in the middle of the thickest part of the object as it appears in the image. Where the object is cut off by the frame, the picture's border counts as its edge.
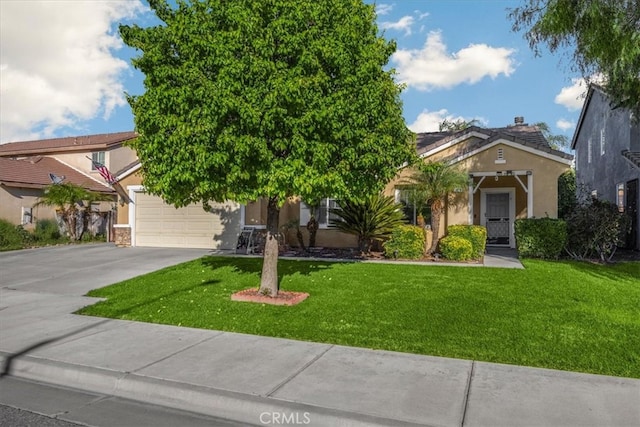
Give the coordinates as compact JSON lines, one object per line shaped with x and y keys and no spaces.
{"x":421,"y":15}
{"x":572,"y":97}
{"x":433,"y":67}
{"x":565,"y":125}
{"x":404,"y":24}
{"x":58,"y":65}
{"x":429,"y":121}
{"x":383,"y":9}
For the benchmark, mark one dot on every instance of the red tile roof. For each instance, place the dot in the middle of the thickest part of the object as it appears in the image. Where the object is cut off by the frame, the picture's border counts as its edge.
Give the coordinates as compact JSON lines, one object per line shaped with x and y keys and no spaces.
{"x":73,"y":143}
{"x":34,"y":172}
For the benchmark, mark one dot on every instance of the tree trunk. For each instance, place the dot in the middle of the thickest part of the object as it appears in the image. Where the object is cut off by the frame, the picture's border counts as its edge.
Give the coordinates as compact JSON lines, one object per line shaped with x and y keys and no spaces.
{"x":269,"y":278}
{"x":436,"y":211}
{"x":312,"y":227}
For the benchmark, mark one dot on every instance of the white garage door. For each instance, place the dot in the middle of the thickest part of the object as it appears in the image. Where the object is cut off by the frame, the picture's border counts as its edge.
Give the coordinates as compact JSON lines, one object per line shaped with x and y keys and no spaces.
{"x":161,"y":225}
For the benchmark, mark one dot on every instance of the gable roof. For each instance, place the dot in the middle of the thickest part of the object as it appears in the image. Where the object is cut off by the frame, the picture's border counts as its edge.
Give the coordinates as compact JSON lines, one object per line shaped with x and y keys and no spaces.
{"x":587,"y":100}
{"x":529,"y":137}
{"x":73,"y":143}
{"x":34,"y":173}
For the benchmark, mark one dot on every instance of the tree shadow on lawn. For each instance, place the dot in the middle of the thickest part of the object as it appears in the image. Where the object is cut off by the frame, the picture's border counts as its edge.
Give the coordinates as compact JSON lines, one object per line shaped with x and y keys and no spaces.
{"x":253,"y":265}
{"x":629,"y":270}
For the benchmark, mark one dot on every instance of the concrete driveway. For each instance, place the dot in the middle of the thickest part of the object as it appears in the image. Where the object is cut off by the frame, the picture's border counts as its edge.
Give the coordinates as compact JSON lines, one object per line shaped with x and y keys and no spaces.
{"x":76,"y":269}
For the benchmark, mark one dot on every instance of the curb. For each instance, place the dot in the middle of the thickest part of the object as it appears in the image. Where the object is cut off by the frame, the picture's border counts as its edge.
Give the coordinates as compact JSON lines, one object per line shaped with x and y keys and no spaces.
{"x":240,"y":407}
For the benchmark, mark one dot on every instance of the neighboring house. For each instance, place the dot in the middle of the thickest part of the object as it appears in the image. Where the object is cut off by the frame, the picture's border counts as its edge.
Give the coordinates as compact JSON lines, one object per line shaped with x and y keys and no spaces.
{"x":25,"y":167}
{"x":607,"y":146}
{"x":513,"y":173}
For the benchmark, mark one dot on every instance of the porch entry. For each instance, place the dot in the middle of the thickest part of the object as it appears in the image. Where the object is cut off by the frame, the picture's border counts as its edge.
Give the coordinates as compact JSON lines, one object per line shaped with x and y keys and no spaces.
{"x":498,"y":209}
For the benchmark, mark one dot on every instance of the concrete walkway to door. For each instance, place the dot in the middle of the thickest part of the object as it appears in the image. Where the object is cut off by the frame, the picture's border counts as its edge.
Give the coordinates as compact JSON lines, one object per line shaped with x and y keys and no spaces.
{"x":501,"y":257}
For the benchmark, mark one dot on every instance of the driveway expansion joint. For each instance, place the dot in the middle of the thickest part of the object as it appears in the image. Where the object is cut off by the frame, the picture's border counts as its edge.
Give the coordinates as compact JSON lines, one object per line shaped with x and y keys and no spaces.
{"x":467,"y":392}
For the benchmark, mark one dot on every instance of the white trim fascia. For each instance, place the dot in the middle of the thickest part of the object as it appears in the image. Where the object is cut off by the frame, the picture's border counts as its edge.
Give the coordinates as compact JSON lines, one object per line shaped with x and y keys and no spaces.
{"x":453,"y":142}
{"x":517,"y":146}
{"x":128,"y":172}
{"x":526,"y":190}
{"x":502,"y":173}
{"x":530,"y":196}
{"x":121,"y":226}
{"x":133,"y":190}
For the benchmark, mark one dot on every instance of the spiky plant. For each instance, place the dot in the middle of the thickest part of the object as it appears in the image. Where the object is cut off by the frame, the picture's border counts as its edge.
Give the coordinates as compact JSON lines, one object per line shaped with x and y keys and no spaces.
{"x":372,"y":218}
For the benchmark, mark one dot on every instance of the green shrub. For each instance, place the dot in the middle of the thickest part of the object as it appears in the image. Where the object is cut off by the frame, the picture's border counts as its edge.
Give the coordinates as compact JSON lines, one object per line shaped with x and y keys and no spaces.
{"x":595,"y":228}
{"x":406,"y":241}
{"x":46,"y":230}
{"x":370,"y":219}
{"x":476,"y":234}
{"x":10,"y":236}
{"x":540,"y":237}
{"x":456,"y":248}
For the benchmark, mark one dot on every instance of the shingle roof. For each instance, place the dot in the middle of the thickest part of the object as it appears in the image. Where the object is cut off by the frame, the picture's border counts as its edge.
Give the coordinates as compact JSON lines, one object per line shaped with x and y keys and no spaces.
{"x":74,"y":143}
{"x":529,"y":136}
{"x":34,"y":172}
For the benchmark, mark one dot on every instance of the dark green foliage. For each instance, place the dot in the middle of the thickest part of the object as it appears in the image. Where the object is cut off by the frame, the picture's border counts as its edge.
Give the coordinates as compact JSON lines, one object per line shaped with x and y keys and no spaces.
{"x":406,"y":241}
{"x":604,"y":36}
{"x":10,"y":236}
{"x":567,"y":193}
{"x":456,"y":248}
{"x":258,"y":98}
{"x":47,"y":230}
{"x":476,"y":234}
{"x":595,"y":228}
{"x":373,"y":218}
{"x":540,"y":237}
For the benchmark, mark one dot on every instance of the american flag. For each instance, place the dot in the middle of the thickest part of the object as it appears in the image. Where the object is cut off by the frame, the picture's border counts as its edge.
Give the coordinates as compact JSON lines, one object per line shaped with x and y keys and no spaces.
{"x":104,"y":172}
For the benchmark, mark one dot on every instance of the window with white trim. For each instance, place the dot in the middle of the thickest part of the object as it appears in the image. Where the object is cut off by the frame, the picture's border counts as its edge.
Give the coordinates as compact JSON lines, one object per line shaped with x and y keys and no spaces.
{"x":412,"y":207}
{"x":602,"y":141}
{"x":589,"y":151}
{"x":97,"y":157}
{"x":620,"y":197}
{"x":323,"y":213}
{"x":27,"y":216}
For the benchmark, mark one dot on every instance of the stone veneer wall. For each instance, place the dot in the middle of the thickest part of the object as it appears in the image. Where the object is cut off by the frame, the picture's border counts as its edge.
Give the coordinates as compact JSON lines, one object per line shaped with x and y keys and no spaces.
{"x":122,"y":236}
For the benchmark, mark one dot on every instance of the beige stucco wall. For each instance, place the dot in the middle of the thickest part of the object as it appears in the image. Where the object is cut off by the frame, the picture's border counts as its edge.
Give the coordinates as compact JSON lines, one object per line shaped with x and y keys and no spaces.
{"x":115,"y":159}
{"x":13,"y":199}
{"x":545,"y":181}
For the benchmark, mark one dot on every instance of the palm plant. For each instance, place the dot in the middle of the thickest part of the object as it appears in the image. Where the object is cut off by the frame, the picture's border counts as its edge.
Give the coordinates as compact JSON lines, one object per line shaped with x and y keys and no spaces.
{"x":372,"y":218}
{"x":434,"y":181}
{"x":69,"y":200}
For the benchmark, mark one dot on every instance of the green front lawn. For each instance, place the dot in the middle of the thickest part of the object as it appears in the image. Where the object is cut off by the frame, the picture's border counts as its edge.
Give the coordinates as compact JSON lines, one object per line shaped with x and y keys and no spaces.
{"x":561,"y":315}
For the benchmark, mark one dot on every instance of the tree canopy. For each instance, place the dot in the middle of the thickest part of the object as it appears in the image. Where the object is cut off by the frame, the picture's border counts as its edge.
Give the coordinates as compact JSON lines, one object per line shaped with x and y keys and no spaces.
{"x":261,"y":98}
{"x":603,"y":36}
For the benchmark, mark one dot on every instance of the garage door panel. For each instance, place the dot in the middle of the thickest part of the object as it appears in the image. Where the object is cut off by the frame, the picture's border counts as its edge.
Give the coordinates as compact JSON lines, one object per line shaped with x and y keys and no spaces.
{"x":160,"y":224}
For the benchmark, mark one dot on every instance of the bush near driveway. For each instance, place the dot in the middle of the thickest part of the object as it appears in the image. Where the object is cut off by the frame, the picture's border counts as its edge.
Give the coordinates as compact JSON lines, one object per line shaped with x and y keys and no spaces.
{"x":456,"y":248}
{"x":540,"y":237}
{"x":476,"y":234}
{"x":10,"y":237}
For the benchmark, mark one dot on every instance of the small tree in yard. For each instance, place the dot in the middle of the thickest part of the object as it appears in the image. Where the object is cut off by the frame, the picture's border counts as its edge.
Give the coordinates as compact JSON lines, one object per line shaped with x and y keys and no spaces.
{"x":372,"y":218}
{"x":435,"y":181}
{"x":259,"y":98}
{"x":72,"y":202}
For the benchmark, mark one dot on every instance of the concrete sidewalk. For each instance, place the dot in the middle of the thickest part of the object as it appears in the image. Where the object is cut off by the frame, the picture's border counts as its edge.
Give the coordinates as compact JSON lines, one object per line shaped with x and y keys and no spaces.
{"x":263,"y":381}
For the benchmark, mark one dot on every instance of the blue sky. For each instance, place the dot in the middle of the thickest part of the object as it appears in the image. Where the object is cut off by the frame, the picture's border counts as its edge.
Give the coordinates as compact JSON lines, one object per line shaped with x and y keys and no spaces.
{"x":64,"y":69}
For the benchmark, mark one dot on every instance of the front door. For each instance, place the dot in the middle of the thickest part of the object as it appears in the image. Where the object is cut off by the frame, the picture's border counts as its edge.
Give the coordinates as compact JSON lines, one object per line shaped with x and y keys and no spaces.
{"x":497,"y":215}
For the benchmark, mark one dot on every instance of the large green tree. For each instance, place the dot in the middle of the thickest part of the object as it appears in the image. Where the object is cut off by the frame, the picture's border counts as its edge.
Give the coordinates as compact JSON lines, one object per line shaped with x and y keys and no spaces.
{"x":266,"y":98}
{"x":602,"y":36}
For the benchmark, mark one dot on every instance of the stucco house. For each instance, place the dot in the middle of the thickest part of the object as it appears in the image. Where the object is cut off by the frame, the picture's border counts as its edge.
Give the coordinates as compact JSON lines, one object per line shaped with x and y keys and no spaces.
{"x":607,"y":146}
{"x":513,"y":173}
{"x":27,"y":167}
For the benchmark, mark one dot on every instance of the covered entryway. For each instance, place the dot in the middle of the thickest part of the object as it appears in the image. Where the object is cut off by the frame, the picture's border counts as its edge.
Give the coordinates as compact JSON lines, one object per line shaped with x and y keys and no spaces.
{"x":158,"y":224}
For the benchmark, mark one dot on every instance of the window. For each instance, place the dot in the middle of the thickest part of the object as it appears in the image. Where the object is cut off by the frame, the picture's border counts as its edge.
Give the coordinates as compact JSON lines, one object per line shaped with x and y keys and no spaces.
{"x":602,"y":141}
{"x":412,"y":205}
{"x":589,"y":151}
{"x":97,"y":157}
{"x":27,"y":216}
{"x":323,"y":213}
{"x":620,"y":197}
